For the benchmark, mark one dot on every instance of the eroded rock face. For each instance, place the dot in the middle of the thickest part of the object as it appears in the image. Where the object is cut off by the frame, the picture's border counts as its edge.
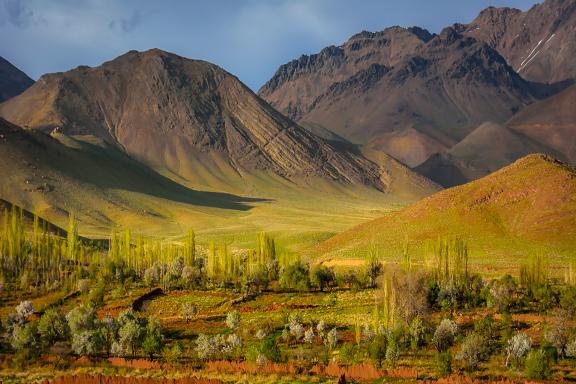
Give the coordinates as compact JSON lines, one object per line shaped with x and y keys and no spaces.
{"x":540,"y":44}
{"x":12,"y":80}
{"x":174,"y":113}
{"x":403,"y":91}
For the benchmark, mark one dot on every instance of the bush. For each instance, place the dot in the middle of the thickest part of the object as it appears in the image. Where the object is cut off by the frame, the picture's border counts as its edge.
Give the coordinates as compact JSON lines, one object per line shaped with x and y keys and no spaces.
{"x":295,"y":277}
{"x":558,"y":335}
{"x":501,"y":292}
{"x":518,"y":346}
{"x":348,"y":354}
{"x":444,"y":363}
{"x":445,"y":335}
{"x":270,"y":350}
{"x":233,"y":319}
{"x":377,"y":349}
{"x":323,"y":277}
{"x":472,"y":351}
{"x":53,"y":327}
{"x":537,"y":365}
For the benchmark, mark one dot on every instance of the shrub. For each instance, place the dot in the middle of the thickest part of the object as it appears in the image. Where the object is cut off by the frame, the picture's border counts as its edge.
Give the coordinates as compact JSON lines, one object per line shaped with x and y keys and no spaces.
{"x":270,"y":349}
{"x":53,"y":327}
{"x":172,"y":354}
{"x":153,"y":342}
{"x":537,"y":365}
{"x":24,"y":309}
{"x":472,"y":351}
{"x":417,"y":332}
{"x":87,"y":342}
{"x":332,"y":338}
{"x":377,"y":349}
{"x":501,"y":292}
{"x":295,"y":277}
{"x":323,"y":277}
{"x":81,"y":319}
{"x":188,"y":311}
{"x":348,"y":354}
{"x":518,"y":347}
{"x":558,"y":335}
{"x":392,"y":351}
{"x":233,"y":319}
{"x":444,"y":363}
{"x":309,"y":336}
{"x":445,"y":335}
{"x":96,"y":297}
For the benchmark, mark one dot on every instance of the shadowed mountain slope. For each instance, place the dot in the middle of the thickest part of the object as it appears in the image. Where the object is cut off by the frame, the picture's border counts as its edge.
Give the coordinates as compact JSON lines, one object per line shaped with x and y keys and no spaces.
{"x":488,"y":148}
{"x":12,"y":80}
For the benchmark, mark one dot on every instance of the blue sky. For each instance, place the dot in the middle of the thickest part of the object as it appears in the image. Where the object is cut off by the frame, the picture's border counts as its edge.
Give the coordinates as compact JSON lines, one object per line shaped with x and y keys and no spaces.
{"x":249,"y":38}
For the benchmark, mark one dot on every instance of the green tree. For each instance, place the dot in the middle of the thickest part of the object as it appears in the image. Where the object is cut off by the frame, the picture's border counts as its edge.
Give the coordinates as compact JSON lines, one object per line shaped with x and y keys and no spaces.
{"x":53,"y":327}
{"x":323,"y":276}
{"x":153,"y":342}
{"x":295,"y":277}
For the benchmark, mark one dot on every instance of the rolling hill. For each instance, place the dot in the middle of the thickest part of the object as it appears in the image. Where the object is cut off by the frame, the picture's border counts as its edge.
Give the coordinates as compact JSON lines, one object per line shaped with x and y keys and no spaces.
{"x":12,"y":80}
{"x":529,"y":206}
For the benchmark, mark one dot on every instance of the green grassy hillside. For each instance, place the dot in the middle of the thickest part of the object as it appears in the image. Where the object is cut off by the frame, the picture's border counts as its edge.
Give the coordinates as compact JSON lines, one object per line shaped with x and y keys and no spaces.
{"x":527,"y":207}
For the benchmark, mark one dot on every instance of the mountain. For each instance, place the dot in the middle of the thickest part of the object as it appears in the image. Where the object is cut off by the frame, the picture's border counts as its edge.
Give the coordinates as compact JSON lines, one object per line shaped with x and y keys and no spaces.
{"x":186,"y":118}
{"x":540,"y":44}
{"x":551,"y":121}
{"x":55,"y":175}
{"x":12,"y":80}
{"x":159,"y":143}
{"x":488,"y":148}
{"x":402,"y":91}
{"x":526,"y":207}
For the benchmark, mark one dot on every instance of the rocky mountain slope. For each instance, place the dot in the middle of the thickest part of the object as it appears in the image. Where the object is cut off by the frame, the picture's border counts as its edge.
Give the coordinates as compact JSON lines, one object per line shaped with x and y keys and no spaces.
{"x":403,"y":91}
{"x":485,"y":150}
{"x":186,"y":118}
{"x":551,"y":121}
{"x":509,"y":213}
{"x":540,"y":44}
{"x":547,"y":126}
{"x":12,"y":80}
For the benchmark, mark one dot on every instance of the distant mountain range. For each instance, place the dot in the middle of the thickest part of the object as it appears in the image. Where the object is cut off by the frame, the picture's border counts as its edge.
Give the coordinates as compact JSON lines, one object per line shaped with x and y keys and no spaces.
{"x":155,"y":140}
{"x":176,"y":129}
{"x":416,"y":95}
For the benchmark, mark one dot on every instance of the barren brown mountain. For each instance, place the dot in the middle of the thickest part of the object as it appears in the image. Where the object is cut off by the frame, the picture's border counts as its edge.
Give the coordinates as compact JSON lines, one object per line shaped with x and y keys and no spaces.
{"x":402,"y":91}
{"x":12,"y":80}
{"x":551,"y":121}
{"x":186,"y":118}
{"x":488,"y":148}
{"x":547,"y":126}
{"x":540,"y":44}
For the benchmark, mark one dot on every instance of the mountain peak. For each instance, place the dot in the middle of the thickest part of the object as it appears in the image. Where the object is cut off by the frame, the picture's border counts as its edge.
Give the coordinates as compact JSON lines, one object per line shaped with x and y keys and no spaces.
{"x":177,"y":115}
{"x":12,"y":80}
